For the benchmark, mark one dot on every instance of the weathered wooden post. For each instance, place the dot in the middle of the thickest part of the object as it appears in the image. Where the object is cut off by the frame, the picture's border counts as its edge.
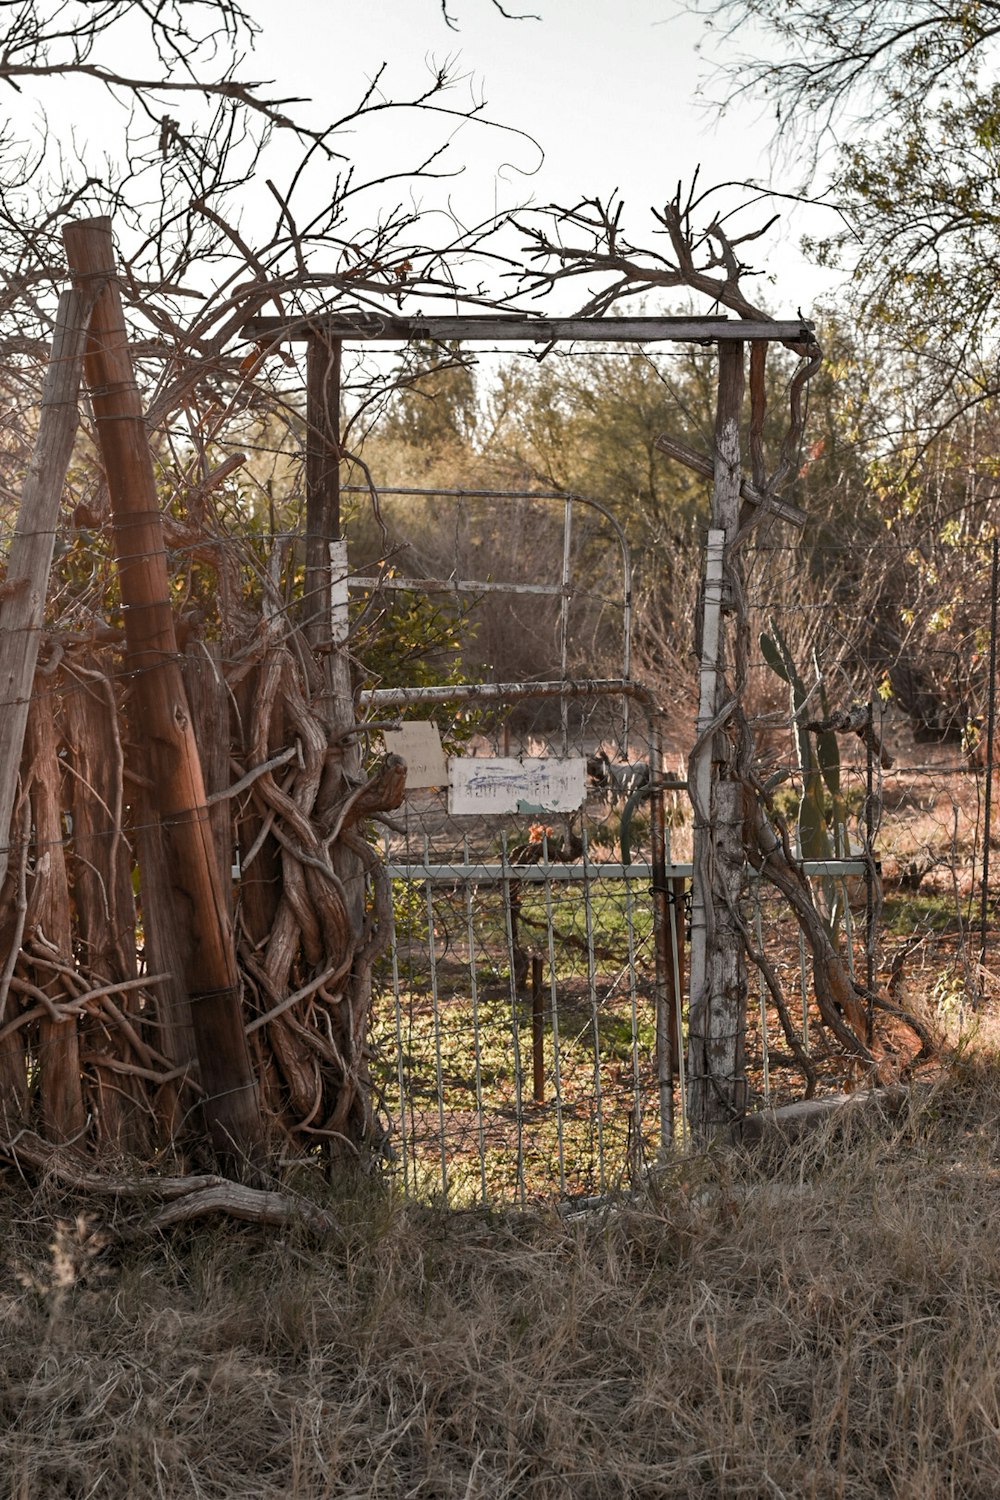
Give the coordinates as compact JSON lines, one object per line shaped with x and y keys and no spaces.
{"x":21,"y":617}
{"x":323,"y":362}
{"x":326,"y":554}
{"x":718,"y":984}
{"x":23,"y":607}
{"x":326,"y":631}
{"x":159,"y":712}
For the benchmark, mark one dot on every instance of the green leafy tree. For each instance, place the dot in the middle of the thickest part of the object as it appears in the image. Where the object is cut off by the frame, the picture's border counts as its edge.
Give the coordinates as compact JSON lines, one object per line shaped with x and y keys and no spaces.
{"x":590,"y":424}
{"x":889,"y":109}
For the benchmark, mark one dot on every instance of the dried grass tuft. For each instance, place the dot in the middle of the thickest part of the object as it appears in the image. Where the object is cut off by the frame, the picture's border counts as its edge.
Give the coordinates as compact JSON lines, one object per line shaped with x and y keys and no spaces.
{"x":823,"y":1324}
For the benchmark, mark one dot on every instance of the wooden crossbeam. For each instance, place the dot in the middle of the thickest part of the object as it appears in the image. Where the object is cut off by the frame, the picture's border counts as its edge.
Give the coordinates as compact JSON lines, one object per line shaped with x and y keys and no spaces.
{"x":365,"y":326}
{"x":705,"y":466}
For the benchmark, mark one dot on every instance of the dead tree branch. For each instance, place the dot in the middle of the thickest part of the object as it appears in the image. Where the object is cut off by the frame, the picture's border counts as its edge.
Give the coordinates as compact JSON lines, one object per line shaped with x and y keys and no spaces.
{"x":186,"y":1198}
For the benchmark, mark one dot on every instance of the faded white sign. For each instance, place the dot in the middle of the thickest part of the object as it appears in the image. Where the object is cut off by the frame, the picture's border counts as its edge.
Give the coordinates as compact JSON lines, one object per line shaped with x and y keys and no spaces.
{"x":526,"y":785}
{"x":339,"y":594}
{"x":419,"y":744}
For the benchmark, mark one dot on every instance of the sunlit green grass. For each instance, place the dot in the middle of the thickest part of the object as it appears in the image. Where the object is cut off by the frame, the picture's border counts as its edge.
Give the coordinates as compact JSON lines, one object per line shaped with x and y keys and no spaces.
{"x":905,"y":912}
{"x":459,"y":1067}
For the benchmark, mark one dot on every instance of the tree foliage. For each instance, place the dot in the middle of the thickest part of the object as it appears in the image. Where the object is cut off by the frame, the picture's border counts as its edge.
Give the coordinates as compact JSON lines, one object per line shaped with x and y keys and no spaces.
{"x":865,"y":59}
{"x":891,"y":113}
{"x":895,"y":105}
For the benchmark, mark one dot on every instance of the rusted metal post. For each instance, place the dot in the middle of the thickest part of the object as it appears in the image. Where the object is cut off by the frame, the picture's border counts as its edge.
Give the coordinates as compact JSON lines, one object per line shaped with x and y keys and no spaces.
{"x":991,"y":725}
{"x":870,"y":870}
{"x":537,"y":1029}
{"x":159,"y":711}
{"x":667,"y":998}
{"x":718,"y":984}
{"x":678,"y":890}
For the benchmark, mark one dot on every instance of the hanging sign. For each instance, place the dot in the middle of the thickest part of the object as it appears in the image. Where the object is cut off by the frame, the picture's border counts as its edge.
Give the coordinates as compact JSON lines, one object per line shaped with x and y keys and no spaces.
{"x":419,"y":743}
{"x":525,"y":785}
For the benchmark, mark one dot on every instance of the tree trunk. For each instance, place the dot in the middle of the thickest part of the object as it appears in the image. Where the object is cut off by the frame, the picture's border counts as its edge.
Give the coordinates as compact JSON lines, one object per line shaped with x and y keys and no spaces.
{"x":100,"y":870}
{"x":209,"y":699}
{"x":718,"y":984}
{"x":48,"y":929}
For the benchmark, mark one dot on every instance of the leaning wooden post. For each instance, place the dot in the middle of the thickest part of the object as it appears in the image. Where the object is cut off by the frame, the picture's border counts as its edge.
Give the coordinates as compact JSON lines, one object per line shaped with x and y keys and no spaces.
{"x":22,"y":613}
{"x":718,"y":985}
{"x":23,"y":606}
{"x":159,"y":712}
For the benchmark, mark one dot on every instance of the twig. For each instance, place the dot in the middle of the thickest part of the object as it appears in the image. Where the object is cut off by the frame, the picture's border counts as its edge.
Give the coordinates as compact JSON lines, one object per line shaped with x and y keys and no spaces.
{"x":21,"y":909}
{"x":188,"y":1197}
{"x":251,"y":776}
{"x":331,"y":975}
{"x":67,"y":1010}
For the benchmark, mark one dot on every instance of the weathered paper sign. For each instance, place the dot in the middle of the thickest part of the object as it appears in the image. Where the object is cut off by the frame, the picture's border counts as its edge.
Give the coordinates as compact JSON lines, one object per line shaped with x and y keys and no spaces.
{"x":419,"y":744}
{"x":527,"y":785}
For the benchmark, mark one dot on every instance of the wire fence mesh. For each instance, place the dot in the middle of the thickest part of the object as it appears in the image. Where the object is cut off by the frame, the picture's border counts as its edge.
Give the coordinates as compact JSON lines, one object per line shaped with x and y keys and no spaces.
{"x":516,"y":1026}
{"x":519,"y":1020}
{"x":521,"y":1013}
{"x":523,"y":1024}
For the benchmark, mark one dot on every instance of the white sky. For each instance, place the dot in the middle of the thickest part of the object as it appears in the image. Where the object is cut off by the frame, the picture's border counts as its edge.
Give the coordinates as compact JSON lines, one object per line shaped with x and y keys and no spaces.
{"x":607,"y":88}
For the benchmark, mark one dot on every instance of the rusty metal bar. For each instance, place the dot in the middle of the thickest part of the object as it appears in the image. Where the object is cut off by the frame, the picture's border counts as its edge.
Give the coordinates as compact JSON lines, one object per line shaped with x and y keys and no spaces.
{"x":453,"y":586}
{"x":537,"y":1030}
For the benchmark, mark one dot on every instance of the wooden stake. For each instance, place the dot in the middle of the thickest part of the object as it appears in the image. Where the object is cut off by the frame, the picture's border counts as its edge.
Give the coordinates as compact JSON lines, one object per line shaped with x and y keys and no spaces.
{"x":160,"y":716}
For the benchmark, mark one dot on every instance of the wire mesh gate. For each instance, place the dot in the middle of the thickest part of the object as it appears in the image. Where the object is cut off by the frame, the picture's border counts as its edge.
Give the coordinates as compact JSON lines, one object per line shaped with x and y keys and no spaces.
{"x":522,"y":1031}
{"x":529,"y":1036}
{"x":524,"y":1035}
{"x":523,"y":1024}
{"x":527,"y":1020}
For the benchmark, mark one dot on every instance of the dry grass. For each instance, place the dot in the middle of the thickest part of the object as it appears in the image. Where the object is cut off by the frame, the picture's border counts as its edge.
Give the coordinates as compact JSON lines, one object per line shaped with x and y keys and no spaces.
{"x":823,"y":1325}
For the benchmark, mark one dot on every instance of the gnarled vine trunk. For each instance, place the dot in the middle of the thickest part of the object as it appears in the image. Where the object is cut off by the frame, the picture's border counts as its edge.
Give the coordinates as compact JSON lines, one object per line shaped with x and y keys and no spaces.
{"x":146,"y":988}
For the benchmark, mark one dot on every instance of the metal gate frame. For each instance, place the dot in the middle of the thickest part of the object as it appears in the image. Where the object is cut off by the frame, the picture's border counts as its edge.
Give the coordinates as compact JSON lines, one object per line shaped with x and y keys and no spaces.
{"x":563,"y":590}
{"x":668,"y":880}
